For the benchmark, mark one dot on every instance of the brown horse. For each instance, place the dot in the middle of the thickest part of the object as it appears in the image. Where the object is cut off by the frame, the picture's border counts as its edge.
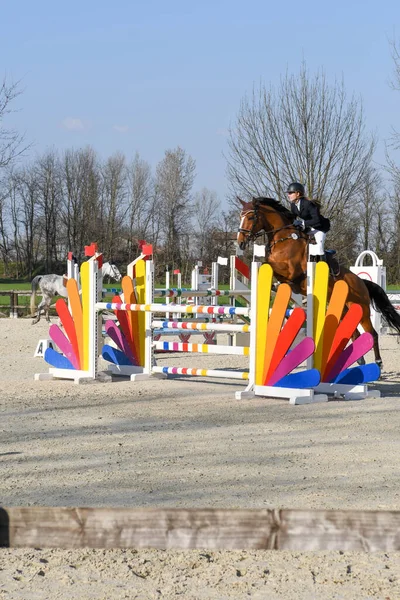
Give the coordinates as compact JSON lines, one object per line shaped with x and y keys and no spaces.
{"x":287,"y":254}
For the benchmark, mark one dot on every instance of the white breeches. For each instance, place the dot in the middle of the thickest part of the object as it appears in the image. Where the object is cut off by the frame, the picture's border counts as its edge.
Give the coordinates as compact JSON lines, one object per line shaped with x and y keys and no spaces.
{"x":317,"y":249}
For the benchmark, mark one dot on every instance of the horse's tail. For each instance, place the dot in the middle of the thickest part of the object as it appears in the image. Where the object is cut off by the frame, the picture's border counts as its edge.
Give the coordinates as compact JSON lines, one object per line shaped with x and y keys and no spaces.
{"x":34,"y":286}
{"x":382,"y":304}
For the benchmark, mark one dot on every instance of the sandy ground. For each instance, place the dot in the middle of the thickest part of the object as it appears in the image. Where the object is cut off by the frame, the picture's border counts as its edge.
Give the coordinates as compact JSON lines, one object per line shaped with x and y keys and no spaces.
{"x":188,"y":443}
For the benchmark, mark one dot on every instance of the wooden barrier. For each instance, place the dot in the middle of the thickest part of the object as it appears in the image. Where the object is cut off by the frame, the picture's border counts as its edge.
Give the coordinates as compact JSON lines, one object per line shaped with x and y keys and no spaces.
{"x":14,"y":306}
{"x":212,"y":529}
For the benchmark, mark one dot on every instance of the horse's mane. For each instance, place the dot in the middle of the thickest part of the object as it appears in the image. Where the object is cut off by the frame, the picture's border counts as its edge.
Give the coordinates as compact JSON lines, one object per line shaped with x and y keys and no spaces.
{"x":276,"y":205}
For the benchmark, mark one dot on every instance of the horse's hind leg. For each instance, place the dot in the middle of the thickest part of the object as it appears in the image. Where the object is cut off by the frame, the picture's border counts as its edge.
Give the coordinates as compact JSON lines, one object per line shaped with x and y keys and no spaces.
{"x":42,"y":306}
{"x":37,"y":317}
{"x":356,"y":334}
{"x":366,"y":324}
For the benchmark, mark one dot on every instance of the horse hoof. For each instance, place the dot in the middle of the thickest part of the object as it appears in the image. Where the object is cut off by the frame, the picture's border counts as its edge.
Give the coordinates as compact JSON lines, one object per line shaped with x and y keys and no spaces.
{"x":361,"y":361}
{"x":379,"y":363}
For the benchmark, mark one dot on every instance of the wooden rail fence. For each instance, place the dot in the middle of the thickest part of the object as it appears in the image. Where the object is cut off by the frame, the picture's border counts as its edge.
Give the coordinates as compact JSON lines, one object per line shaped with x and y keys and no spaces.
{"x":14,"y":305}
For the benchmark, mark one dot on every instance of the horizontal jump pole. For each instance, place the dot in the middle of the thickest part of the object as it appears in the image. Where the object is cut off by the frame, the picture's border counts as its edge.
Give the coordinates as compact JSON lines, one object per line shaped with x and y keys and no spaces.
{"x":174,"y":332}
{"x":201,"y":372}
{"x":200,"y":326}
{"x":187,"y":293}
{"x":176,"y":308}
{"x":111,"y":290}
{"x":202,"y":348}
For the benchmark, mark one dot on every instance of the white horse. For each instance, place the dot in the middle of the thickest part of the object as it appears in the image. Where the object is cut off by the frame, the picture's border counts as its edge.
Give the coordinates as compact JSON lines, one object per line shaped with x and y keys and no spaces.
{"x":53,"y":285}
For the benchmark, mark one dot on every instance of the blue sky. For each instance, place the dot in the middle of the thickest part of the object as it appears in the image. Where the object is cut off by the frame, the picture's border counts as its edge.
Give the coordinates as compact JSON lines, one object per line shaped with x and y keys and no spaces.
{"x":148,"y":76}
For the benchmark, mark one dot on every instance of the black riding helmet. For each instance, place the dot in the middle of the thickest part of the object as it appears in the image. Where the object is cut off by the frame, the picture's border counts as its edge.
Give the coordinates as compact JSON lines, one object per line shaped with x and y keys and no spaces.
{"x":296,"y":187}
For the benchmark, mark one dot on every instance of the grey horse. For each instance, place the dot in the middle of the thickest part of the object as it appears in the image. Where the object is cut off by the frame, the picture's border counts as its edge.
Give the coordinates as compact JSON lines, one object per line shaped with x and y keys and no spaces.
{"x":52,"y":285}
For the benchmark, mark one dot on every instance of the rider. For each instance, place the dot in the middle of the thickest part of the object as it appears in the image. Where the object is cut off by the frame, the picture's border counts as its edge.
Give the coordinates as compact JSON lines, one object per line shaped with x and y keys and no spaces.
{"x":309,"y":218}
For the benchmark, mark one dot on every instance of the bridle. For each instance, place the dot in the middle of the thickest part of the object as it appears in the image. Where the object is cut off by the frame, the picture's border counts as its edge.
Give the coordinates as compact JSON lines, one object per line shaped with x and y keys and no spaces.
{"x":115,"y":272}
{"x":253,"y":236}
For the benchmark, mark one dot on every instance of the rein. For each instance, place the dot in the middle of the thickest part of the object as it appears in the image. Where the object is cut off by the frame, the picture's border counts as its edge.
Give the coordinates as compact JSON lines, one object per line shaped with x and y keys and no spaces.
{"x":254,"y":236}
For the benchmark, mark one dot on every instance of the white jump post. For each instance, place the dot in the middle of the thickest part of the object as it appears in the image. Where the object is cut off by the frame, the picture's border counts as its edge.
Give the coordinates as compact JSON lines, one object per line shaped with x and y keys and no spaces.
{"x":73,"y":271}
{"x":375,"y":273}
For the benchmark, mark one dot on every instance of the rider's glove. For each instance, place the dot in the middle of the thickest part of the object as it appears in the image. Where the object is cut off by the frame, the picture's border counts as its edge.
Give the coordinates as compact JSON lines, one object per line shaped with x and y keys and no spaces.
{"x":299,"y":223}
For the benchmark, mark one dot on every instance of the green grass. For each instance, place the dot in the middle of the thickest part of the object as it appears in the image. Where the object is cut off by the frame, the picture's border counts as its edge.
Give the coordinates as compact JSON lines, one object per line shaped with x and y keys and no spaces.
{"x":24,"y":301}
{"x":21,"y":285}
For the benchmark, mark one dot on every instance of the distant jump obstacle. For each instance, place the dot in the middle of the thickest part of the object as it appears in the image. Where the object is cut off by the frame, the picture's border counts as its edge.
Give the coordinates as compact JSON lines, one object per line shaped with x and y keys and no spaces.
{"x":202,"y":286}
{"x":274,"y":355}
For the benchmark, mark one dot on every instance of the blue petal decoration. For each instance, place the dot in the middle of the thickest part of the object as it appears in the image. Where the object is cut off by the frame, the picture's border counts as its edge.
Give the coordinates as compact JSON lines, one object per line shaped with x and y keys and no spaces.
{"x":359,"y":375}
{"x":301,"y":380}
{"x":115,"y":356}
{"x":55,"y":359}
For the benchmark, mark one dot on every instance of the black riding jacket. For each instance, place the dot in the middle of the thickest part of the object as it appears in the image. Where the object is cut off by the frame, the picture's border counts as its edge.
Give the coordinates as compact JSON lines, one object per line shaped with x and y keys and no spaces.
{"x":309,"y":212}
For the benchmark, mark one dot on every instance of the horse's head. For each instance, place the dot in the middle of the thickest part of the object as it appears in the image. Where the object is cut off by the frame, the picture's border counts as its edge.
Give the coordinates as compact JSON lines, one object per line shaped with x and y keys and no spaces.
{"x":249,"y":223}
{"x":261,"y":214}
{"x":115,"y":272}
{"x":112,"y":271}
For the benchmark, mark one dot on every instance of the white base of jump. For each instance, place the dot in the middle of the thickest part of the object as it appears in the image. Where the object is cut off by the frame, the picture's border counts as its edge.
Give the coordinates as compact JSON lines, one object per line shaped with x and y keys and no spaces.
{"x":134,"y":373}
{"x":125,"y":370}
{"x":347,"y":392}
{"x":294,"y":395}
{"x":75,"y":376}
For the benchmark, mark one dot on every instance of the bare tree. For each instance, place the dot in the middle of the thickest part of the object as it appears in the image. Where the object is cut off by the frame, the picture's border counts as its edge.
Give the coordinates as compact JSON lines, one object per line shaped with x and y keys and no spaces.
{"x":306,"y":131}
{"x":392,"y":259}
{"x":47,"y":175}
{"x":140,"y":210}
{"x":80,"y":207}
{"x":113,"y":194}
{"x":395,"y":85}
{"x":11,"y":142}
{"x":5,"y":240}
{"x":371,"y":213}
{"x":206,"y":217}
{"x":24,"y":209}
{"x":174,"y":181}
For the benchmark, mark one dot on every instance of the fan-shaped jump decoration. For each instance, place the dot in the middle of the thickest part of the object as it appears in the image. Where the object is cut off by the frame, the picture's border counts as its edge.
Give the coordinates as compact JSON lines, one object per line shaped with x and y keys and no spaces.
{"x":129,"y":336}
{"x":70,"y":338}
{"x":73,"y":339}
{"x":274,"y":364}
{"x":332,"y":333}
{"x":327,"y":350}
{"x":276,"y":353}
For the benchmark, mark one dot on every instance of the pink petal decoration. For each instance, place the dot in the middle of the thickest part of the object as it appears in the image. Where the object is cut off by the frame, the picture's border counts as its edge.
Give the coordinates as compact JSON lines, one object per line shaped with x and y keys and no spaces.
{"x":292,"y":360}
{"x":358,"y":348}
{"x":61,"y":340}
{"x":119,"y":338}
